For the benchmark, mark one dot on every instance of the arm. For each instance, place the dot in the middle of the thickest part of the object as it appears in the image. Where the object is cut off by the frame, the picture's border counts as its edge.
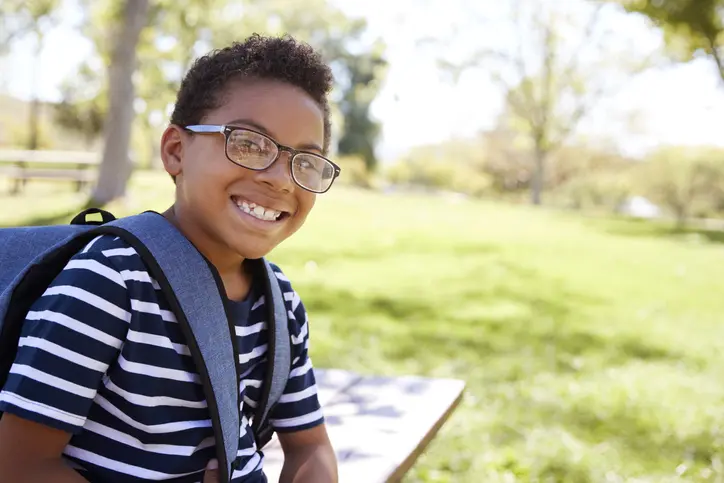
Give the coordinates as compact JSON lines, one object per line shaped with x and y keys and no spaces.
{"x":298,"y":418}
{"x":70,"y":336}
{"x":31,"y":453}
{"x":308,"y":457}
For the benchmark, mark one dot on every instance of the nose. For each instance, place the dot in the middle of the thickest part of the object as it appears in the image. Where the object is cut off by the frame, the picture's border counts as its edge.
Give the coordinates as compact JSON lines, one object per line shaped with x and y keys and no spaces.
{"x":278,"y":176}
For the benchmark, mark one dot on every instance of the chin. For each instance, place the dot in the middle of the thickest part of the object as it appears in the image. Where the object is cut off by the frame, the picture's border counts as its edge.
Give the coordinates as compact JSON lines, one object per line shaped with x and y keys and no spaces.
{"x":252,"y":252}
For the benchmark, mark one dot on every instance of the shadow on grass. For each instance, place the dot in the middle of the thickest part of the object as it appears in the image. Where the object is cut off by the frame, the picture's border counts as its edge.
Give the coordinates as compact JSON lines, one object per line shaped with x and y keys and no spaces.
{"x":430,"y":332}
{"x":655,"y":229}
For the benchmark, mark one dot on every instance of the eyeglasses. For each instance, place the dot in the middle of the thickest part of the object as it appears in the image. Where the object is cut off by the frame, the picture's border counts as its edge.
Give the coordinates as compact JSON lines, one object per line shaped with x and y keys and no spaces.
{"x":256,"y":151}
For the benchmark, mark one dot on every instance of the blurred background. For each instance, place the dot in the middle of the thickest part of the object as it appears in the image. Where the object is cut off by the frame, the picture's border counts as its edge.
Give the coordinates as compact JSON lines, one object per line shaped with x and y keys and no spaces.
{"x":531,"y":199}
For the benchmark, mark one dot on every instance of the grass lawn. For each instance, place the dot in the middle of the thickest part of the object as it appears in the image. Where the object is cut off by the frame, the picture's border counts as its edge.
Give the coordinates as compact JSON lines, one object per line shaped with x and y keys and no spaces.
{"x":592,"y":349}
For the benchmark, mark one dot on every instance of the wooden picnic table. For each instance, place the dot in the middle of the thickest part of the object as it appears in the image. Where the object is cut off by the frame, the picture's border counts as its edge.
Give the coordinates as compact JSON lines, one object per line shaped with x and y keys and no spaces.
{"x":378,"y":426}
{"x":22,"y":165}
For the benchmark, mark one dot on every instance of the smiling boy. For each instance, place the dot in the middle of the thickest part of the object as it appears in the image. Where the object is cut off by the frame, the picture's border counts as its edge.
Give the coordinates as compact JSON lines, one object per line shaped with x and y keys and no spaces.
{"x":103,"y":388}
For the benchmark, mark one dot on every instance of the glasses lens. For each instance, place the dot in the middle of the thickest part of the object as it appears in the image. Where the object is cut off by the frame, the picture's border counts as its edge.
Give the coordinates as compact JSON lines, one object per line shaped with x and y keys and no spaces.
{"x":250,"y":149}
{"x":312,"y":172}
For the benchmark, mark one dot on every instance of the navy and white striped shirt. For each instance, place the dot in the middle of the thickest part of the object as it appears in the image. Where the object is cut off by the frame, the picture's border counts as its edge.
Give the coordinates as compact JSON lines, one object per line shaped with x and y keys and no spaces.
{"x":102,"y":356}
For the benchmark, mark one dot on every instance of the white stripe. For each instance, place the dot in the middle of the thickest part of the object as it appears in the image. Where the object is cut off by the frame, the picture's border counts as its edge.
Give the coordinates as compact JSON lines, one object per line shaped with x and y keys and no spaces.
{"x":117,"y":466}
{"x":128,"y":440}
{"x":298,"y":421}
{"x":258,"y":351}
{"x":153,"y":429}
{"x":50,"y":380}
{"x":252,"y":383}
{"x":258,"y":303}
{"x":40,"y":408}
{"x":90,"y":299}
{"x":157,"y":341}
{"x":300,"y":371}
{"x":281,"y":276}
{"x":246,"y":451}
{"x":291,"y":315}
{"x":97,"y":268}
{"x":74,"y":325}
{"x":152,"y":308}
{"x":63,"y":353}
{"x":302,"y":334}
{"x":249,"y":402}
{"x":298,"y":396}
{"x":252,"y":329}
{"x":93,"y":242}
{"x":248,"y":468}
{"x":139,"y":276}
{"x":119,"y":252}
{"x":158,"y":372}
{"x":292,"y":297}
{"x":152,"y":401}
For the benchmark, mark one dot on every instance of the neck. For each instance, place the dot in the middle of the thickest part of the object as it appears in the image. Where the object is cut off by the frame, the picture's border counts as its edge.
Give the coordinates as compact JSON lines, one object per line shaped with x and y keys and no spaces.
{"x":236,"y":281}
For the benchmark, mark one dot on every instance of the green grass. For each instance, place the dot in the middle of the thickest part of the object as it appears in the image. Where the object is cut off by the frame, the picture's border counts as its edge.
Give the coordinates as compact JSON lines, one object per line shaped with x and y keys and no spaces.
{"x":592,"y":349}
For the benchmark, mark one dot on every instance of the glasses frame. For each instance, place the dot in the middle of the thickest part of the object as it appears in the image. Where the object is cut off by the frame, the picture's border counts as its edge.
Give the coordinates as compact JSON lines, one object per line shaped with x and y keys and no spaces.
{"x":226,"y":130}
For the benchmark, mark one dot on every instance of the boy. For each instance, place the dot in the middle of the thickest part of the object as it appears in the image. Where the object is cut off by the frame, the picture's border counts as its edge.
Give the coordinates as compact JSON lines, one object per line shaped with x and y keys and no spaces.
{"x":103,"y":388}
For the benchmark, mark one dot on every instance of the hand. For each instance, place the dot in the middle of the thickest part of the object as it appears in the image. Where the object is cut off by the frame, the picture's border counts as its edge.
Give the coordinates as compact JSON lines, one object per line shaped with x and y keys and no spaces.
{"x":212,"y":472}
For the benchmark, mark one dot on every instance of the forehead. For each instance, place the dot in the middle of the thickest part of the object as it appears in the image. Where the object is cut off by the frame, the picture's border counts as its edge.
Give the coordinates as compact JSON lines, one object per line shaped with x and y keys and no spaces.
{"x":286,"y":112}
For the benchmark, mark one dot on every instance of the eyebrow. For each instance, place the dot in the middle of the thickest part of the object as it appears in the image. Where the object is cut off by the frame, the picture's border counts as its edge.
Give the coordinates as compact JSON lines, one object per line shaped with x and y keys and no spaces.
{"x":262,"y":129}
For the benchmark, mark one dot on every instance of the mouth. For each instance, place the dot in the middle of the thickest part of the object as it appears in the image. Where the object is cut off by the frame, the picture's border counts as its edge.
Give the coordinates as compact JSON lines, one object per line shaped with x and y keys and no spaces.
{"x":258,"y":211}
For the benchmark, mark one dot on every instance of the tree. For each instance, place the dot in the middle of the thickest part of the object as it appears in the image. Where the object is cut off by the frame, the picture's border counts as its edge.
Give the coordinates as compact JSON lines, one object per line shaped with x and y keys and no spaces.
{"x":361,"y":131}
{"x":116,"y":167}
{"x":552,"y":84}
{"x":359,"y":67}
{"x":20,"y":18}
{"x":690,"y":26}
{"x":684,"y":180}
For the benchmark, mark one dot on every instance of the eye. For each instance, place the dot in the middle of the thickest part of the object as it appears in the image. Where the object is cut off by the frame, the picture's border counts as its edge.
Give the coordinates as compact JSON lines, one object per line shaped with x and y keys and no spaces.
{"x":249,"y":146}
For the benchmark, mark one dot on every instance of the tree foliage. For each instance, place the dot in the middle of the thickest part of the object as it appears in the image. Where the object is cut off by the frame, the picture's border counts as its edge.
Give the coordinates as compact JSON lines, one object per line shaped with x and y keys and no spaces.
{"x":690,"y":26}
{"x":686,"y":181}
{"x":553,"y":76}
{"x":176,"y":32}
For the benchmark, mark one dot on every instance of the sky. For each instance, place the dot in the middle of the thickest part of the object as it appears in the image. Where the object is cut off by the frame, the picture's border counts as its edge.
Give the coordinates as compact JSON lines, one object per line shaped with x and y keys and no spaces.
{"x":676,"y":104}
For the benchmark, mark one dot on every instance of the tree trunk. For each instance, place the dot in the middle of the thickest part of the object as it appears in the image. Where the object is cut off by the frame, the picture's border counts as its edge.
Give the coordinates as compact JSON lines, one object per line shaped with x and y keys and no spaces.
{"x":682,"y":217}
{"x":536,"y":185}
{"x":115,"y":169}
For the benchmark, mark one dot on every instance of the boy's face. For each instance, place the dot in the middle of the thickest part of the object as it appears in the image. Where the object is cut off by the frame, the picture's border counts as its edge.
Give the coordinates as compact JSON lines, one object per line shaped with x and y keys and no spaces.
{"x":210,"y":188}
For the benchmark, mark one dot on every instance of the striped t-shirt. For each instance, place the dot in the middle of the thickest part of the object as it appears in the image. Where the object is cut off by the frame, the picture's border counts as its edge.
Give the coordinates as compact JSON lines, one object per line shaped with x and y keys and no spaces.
{"x":102,"y":356}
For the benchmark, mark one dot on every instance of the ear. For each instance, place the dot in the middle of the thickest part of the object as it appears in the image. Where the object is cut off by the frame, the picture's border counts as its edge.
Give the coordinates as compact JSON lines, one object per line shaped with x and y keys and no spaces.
{"x":172,"y":149}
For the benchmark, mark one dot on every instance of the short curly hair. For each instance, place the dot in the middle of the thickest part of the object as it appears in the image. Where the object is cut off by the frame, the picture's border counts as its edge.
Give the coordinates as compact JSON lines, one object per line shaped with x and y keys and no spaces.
{"x":258,"y":57}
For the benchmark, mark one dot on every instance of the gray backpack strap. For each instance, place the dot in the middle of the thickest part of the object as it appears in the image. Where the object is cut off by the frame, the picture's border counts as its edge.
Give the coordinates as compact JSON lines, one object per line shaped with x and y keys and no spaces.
{"x":194,"y":290}
{"x":279,"y":359}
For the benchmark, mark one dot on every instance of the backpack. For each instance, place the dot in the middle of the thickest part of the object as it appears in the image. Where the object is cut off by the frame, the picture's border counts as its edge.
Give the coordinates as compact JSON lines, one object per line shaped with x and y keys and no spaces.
{"x":31,"y":257}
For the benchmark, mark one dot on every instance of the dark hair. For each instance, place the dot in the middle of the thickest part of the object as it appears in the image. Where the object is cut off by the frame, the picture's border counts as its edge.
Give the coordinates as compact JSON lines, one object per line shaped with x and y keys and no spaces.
{"x":258,"y":57}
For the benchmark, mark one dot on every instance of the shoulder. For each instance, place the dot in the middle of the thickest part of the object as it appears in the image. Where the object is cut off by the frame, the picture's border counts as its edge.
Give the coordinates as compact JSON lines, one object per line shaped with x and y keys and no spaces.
{"x":291,"y":297}
{"x":117,"y":251}
{"x":295,"y":307}
{"x":104,"y":266}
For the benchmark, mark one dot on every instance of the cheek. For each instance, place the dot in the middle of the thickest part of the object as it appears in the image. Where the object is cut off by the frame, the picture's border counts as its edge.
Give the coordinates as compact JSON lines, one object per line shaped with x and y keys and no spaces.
{"x":207,"y":182}
{"x":306,"y":203}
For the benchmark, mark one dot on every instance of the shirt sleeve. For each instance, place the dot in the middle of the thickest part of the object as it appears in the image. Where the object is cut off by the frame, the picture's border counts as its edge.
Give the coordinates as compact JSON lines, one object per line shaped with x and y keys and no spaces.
{"x":69,"y":337}
{"x":299,"y":407}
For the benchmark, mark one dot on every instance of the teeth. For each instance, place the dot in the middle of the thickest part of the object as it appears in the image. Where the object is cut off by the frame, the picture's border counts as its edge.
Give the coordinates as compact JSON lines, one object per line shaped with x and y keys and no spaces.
{"x":258,"y":211}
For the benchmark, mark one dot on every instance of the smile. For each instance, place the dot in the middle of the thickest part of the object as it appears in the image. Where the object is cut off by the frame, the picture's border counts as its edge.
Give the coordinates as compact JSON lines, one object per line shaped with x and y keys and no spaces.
{"x":258,"y":211}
